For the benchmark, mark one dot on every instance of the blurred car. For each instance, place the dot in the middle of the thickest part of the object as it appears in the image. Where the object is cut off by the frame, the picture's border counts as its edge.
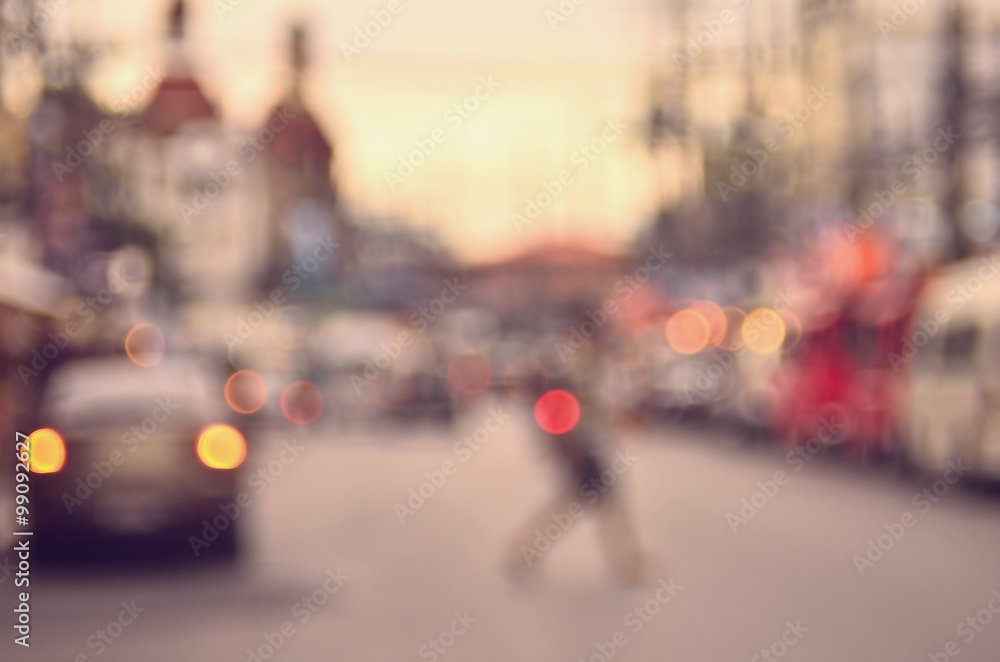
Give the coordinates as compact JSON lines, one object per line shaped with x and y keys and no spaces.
{"x":841,"y":375}
{"x":837,"y":377}
{"x":130,"y":451}
{"x":685,"y":385}
{"x":279,"y":348}
{"x":375,"y":366}
{"x":952,"y":390}
{"x":664,"y":383}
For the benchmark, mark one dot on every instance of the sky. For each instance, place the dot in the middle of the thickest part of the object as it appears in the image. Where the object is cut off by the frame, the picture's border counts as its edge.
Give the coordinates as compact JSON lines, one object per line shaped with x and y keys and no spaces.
{"x":554,"y":88}
{"x":557,"y":86}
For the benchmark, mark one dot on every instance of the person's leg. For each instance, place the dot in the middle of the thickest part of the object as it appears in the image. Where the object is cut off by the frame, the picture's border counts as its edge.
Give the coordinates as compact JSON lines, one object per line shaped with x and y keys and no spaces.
{"x":618,"y":537}
{"x":531,"y":542}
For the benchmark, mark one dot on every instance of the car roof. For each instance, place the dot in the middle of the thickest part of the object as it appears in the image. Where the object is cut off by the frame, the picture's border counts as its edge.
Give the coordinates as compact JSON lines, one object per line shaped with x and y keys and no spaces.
{"x":116,"y":383}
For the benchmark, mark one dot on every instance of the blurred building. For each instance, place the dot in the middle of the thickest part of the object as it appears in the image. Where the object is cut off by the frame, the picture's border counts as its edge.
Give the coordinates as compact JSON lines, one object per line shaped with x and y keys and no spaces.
{"x":301,"y":190}
{"x":59,"y":183}
{"x":392,"y":264}
{"x":544,"y":280}
{"x":189,"y":186}
{"x":850,"y":94}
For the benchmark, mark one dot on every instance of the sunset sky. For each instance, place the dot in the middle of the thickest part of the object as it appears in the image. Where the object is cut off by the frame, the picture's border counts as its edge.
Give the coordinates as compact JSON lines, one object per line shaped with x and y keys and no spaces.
{"x":558,"y":86}
{"x":557,"y":89}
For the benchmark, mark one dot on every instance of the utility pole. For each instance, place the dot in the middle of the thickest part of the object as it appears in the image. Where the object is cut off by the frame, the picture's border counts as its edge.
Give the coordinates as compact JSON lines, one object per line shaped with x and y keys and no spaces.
{"x":668,"y":103}
{"x":955,"y":98}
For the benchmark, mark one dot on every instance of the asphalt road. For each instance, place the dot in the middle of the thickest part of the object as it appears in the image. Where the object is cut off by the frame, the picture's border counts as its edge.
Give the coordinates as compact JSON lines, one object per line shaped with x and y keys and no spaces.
{"x":787,"y":578}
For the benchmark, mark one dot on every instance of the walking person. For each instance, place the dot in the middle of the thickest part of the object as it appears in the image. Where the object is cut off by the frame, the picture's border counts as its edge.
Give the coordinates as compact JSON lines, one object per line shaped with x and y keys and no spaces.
{"x":589,"y":484}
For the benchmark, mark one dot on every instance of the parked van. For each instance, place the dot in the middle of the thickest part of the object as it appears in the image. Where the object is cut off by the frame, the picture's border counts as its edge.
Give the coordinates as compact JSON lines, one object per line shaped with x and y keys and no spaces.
{"x":949,"y":363}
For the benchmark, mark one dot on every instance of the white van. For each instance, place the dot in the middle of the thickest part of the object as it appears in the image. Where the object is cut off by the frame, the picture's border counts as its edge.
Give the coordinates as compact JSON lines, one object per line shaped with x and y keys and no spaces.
{"x":951,"y":395}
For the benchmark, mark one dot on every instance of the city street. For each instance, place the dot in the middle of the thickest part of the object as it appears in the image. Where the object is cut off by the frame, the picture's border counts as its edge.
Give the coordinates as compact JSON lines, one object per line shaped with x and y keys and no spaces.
{"x":329,"y":561}
{"x":311,"y":314}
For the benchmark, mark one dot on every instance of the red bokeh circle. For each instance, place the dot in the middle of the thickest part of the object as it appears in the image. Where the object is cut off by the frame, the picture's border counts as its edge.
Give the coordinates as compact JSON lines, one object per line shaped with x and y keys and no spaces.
{"x":557,"y":412}
{"x":302,"y":402}
{"x":246,"y":391}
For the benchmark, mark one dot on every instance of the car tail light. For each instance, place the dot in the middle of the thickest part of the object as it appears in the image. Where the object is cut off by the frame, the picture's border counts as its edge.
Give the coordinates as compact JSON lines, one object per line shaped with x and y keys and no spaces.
{"x":221,"y":447}
{"x":46,"y":451}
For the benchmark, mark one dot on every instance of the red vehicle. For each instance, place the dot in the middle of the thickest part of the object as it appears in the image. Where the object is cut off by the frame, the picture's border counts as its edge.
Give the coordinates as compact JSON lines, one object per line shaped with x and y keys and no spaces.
{"x":838,"y":384}
{"x":840,"y":387}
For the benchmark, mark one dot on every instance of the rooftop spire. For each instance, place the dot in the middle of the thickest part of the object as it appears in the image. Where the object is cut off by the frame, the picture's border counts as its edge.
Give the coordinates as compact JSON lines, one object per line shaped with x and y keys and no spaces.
{"x":299,"y":48}
{"x":177,"y":20}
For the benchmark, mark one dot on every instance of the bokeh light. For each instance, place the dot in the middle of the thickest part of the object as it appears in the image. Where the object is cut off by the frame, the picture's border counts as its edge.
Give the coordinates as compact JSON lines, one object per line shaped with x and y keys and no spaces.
{"x":763,"y":331}
{"x":717,"y":323}
{"x":301,"y":402}
{"x":557,"y":412}
{"x":688,"y":331}
{"x":246,"y":391}
{"x":46,"y":451}
{"x":221,"y":447}
{"x":145,"y":344}
{"x":469,"y":372}
{"x":869,"y":257}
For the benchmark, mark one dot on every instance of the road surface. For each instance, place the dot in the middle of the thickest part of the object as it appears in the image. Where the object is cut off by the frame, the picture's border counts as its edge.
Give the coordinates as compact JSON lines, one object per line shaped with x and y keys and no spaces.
{"x":797,"y":578}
